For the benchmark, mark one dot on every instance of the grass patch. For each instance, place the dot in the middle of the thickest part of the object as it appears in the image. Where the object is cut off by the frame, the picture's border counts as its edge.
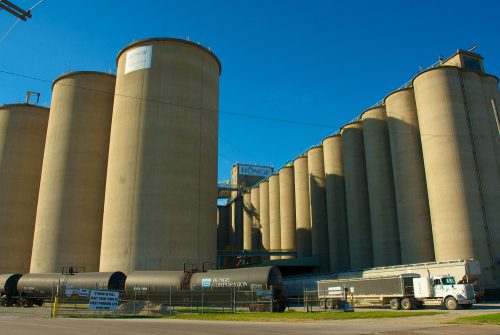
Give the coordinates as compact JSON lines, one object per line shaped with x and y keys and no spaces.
{"x":484,"y":319}
{"x":295,"y":316}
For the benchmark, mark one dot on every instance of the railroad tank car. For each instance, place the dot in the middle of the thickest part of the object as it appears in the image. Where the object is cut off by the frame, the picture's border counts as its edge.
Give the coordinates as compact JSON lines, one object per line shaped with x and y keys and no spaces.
{"x":34,"y":288}
{"x":8,"y":288}
{"x":212,"y":287}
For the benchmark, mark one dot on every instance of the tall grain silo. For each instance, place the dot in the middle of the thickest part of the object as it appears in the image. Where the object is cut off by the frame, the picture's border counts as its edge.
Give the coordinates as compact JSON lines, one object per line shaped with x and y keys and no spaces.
{"x":247,"y":221}
{"x":264,"y":217}
{"x":357,"y":203}
{"x":338,"y":238}
{"x":256,"y":227}
{"x":237,"y":223}
{"x":287,"y":210}
{"x":382,"y":199}
{"x":162,"y":175}
{"x":492,"y":94}
{"x":461,"y":212}
{"x":22,"y":141}
{"x":485,"y":144}
{"x":223,"y":230}
{"x":71,"y":199}
{"x":302,"y":207}
{"x":274,"y":215}
{"x":317,"y":200}
{"x":414,"y":222}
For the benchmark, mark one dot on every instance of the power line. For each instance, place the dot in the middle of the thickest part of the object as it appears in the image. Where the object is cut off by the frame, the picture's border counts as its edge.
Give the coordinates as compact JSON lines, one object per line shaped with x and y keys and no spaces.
{"x":244,"y":115}
{"x":22,"y":17}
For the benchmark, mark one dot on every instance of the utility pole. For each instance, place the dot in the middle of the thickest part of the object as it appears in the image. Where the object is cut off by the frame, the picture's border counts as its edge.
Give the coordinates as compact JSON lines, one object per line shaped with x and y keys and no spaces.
{"x":15,"y":10}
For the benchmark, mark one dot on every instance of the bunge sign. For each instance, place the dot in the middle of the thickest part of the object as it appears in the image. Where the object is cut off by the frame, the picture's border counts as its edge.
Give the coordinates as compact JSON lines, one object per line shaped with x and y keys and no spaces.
{"x":255,"y":170}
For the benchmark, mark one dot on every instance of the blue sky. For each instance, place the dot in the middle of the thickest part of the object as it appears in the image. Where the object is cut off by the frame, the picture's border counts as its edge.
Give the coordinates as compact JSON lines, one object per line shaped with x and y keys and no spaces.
{"x":313,"y":62}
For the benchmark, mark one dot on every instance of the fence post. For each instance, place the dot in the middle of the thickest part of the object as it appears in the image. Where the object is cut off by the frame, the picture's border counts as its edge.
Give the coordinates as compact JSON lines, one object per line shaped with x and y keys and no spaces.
{"x":202,"y":302}
{"x":234,"y":299}
{"x":56,"y":302}
{"x":170,"y":297}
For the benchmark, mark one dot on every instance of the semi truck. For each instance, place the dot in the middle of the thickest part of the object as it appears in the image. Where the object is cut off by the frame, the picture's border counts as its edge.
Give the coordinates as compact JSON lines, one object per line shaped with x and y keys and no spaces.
{"x":405,"y":291}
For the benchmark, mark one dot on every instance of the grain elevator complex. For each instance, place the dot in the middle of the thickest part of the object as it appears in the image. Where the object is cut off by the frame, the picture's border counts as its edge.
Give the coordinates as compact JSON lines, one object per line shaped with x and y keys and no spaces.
{"x":121,"y":175}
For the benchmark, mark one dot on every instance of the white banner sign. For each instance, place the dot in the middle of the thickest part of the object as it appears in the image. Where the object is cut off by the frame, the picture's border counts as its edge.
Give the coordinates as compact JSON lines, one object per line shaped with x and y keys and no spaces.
{"x":138,"y":59}
{"x":251,"y":170}
{"x":103,"y":300}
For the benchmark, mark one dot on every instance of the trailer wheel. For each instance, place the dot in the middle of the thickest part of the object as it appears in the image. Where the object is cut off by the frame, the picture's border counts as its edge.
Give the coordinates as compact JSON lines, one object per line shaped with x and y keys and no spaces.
{"x":407,"y":304}
{"x":395,"y":304}
{"x":330,"y":304}
{"x":450,"y":303}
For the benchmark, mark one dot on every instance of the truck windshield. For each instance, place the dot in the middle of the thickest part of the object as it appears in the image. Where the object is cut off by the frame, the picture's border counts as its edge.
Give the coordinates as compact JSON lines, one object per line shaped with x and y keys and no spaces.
{"x":448,"y":281}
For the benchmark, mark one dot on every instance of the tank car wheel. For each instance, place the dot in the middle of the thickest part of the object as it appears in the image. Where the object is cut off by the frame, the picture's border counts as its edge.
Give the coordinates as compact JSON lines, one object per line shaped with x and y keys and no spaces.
{"x":322,"y":304}
{"x":39,"y":302}
{"x":20,"y":302}
{"x":407,"y":304}
{"x":29,"y":303}
{"x":330,"y":304}
{"x":466,"y":306}
{"x":395,"y":304}
{"x":450,"y":303}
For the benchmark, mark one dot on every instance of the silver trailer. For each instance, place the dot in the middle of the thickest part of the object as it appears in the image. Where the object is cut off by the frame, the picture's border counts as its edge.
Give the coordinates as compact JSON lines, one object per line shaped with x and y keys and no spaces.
{"x":406,"y":291}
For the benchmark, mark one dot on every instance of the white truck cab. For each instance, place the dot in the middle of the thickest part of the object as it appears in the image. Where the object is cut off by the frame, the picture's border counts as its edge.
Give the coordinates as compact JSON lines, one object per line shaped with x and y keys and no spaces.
{"x":445,"y":291}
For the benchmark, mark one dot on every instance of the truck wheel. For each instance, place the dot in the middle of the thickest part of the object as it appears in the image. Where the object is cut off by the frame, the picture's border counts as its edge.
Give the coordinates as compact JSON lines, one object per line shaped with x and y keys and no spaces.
{"x":450,"y":303}
{"x":407,"y":304}
{"x":466,"y":306}
{"x":395,"y":304}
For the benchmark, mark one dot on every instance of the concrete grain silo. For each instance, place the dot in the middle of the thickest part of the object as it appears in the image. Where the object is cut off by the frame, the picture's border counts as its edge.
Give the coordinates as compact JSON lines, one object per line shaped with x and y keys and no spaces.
{"x":414,"y":220}
{"x":237,"y":223}
{"x":162,"y":175}
{"x":302,"y":207}
{"x":317,"y":200}
{"x":485,"y":143}
{"x":264,"y":217}
{"x":357,"y":203}
{"x":22,"y":141}
{"x":247,"y":221}
{"x":460,"y":212}
{"x":256,"y":227}
{"x":71,"y":199}
{"x":287,"y":210}
{"x":338,"y":238}
{"x":383,"y":212}
{"x":274,"y":215}
{"x":223,"y":230}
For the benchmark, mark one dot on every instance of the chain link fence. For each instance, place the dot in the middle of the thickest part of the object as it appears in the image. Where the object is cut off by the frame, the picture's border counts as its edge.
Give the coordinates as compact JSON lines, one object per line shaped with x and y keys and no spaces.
{"x":75,"y":303}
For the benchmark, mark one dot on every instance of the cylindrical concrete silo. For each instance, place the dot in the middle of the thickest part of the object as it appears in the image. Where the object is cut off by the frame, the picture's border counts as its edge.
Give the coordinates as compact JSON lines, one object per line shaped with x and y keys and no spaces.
{"x":247,"y":221}
{"x":71,"y":200}
{"x":223,"y":223}
{"x":357,"y":203}
{"x":264,"y":217}
{"x":383,"y":212}
{"x":317,"y":200}
{"x":302,"y":207}
{"x":459,"y":223}
{"x":274,"y":215}
{"x":256,"y":232}
{"x":338,"y":238}
{"x":237,"y":223}
{"x":287,"y":210}
{"x":490,"y":84}
{"x":414,"y":222}
{"x":22,"y":141}
{"x":485,"y":143}
{"x":162,"y":176}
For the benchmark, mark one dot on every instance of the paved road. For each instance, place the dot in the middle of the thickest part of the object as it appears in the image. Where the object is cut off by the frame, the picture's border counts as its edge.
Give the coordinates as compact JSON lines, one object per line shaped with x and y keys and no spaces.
{"x":26,"y":324}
